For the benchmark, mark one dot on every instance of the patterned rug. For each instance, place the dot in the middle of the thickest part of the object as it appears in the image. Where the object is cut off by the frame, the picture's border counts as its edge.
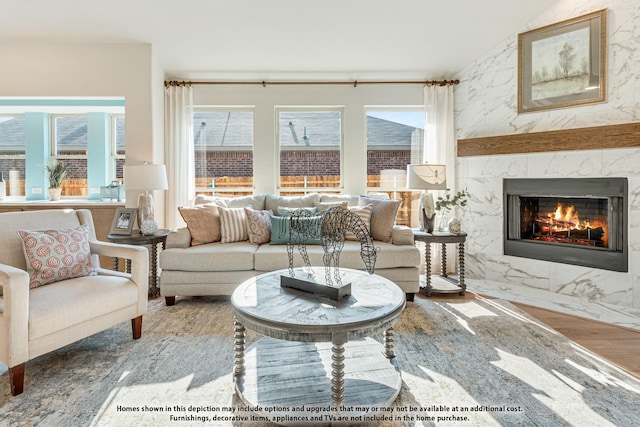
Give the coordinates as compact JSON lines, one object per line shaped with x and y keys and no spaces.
{"x":467,"y":362}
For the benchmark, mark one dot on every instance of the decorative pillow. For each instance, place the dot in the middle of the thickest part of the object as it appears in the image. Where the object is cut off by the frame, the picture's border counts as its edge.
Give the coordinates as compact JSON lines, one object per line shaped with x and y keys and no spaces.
{"x":281,"y":230}
{"x":323,"y":206}
{"x":364,"y":212}
{"x":258,"y":225}
{"x":383,"y":217}
{"x":285,"y":210}
{"x":233,"y":225}
{"x":203,"y":222}
{"x":57,"y":254}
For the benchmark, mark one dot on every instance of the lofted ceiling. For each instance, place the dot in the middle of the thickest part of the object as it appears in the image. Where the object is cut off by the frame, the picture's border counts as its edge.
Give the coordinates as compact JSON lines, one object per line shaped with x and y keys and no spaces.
{"x":271,"y":39}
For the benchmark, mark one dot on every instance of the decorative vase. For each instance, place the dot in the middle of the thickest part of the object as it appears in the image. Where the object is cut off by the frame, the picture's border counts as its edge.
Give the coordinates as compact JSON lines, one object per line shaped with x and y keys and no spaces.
{"x":55,"y":193}
{"x":454,"y":225}
{"x":442,"y":222}
{"x":148,"y":227}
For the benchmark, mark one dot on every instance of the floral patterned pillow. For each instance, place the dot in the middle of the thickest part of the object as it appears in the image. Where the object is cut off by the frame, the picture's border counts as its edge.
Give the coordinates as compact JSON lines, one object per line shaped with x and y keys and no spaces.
{"x":258,"y":225}
{"x":57,"y":254}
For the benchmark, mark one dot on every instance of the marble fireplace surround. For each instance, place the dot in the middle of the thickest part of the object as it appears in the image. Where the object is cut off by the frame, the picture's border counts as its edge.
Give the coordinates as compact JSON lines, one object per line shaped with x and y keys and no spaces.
{"x":483,"y":164}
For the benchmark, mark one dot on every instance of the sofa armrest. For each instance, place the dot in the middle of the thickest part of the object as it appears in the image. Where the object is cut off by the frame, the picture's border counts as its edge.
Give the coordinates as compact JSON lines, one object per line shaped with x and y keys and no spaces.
{"x":139,"y":256}
{"x":14,"y":315}
{"x":402,"y":235}
{"x":179,"y":238}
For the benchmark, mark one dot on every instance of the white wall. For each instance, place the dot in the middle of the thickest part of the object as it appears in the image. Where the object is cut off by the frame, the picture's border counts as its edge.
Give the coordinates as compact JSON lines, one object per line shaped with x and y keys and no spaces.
{"x":354,"y":100}
{"x":94,"y":70}
{"x":486,"y":106}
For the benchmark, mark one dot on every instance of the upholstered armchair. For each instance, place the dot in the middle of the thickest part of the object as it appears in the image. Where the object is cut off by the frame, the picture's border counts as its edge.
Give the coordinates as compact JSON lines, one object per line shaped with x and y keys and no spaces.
{"x":61,"y":294}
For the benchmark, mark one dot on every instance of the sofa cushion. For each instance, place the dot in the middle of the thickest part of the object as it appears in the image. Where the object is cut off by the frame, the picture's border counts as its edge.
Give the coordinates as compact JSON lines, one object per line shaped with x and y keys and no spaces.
{"x":56,"y":254}
{"x":233,"y":225}
{"x":255,"y":202}
{"x":383,"y":217}
{"x":351,"y":199}
{"x":281,"y":230}
{"x":62,"y":305}
{"x":203,"y":222}
{"x":216,"y":256}
{"x":258,"y":225}
{"x":325,"y":206}
{"x":270,"y":257}
{"x":272,"y":201}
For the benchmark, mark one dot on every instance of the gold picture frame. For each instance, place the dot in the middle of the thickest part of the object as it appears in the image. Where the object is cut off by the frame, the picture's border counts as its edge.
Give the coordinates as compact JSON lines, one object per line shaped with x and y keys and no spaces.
{"x":123,"y":221}
{"x":564,"y":64}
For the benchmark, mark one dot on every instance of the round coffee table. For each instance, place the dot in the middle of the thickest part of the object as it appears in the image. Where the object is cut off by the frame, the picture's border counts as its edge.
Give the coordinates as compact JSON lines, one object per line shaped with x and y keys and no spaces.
{"x":317,"y":358}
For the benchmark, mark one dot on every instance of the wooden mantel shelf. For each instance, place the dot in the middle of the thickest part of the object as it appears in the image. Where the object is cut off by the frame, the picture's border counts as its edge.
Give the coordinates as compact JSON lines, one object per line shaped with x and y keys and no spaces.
{"x":591,"y":138}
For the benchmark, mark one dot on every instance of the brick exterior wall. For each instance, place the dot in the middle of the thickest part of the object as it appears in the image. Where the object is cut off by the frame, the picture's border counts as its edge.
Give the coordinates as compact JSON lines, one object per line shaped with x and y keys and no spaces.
{"x":295,"y":163}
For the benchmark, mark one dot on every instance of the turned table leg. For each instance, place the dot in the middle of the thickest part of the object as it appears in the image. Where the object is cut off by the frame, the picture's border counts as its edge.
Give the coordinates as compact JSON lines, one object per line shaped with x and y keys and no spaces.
{"x":337,"y":369}
{"x":388,"y":344}
{"x":239,"y":339}
{"x":427,"y":261}
{"x":461,"y":268}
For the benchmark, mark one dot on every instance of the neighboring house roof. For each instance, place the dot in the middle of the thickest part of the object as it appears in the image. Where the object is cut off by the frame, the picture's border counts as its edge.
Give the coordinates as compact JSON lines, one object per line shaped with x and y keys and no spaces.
{"x":234,"y":130}
{"x":72,"y":131}
{"x":316,"y":130}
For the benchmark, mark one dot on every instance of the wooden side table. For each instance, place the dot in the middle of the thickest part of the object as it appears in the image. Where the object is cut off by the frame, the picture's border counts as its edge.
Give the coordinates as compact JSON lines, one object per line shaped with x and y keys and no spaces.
{"x":428,"y":238}
{"x":139,"y":239}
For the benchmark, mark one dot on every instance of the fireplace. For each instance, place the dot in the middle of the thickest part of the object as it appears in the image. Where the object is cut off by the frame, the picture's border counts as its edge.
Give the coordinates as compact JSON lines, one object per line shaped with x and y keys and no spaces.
{"x":580,"y":221}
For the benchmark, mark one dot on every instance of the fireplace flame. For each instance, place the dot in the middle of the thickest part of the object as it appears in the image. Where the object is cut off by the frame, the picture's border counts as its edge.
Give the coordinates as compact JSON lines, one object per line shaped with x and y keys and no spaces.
{"x":567,"y":219}
{"x":564,"y":221}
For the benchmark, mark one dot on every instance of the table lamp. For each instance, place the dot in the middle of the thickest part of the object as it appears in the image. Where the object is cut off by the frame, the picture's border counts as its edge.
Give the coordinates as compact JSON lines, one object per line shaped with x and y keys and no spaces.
{"x":426,"y":177}
{"x":145,"y":177}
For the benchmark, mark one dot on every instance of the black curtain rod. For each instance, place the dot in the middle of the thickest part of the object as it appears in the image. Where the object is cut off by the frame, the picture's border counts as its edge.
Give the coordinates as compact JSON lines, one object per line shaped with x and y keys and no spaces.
{"x":354,"y":83}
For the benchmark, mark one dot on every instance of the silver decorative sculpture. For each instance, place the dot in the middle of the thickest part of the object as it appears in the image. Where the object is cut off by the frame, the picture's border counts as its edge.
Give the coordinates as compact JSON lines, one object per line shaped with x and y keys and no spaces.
{"x":330,"y":226}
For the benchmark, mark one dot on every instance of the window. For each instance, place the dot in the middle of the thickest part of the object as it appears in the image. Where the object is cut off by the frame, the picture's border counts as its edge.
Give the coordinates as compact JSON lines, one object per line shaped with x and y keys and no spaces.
{"x":310,"y":144}
{"x":223,"y":145}
{"x":12,"y":153}
{"x":69,"y":146}
{"x":395,"y":138}
{"x":118,"y":147}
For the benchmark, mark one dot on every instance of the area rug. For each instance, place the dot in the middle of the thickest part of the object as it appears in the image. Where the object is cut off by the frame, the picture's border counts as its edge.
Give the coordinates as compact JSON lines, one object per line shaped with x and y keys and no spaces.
{"x":467,"y":362}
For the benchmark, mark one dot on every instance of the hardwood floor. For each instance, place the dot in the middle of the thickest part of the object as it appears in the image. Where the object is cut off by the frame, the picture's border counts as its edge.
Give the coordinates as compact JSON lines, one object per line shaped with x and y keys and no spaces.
{"x":616,"y":344}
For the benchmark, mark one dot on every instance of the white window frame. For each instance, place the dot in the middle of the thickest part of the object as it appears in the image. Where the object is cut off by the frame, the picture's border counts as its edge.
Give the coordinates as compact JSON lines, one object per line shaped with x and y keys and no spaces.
{"x":391,"y":108}
{"x":229,"y":108}
{"x":114,"y":149}
{"x":302,"y":109}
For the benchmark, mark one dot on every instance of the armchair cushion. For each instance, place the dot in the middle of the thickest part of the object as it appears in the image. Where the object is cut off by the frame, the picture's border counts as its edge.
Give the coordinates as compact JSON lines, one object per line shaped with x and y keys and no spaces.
{"x":56,"y":254}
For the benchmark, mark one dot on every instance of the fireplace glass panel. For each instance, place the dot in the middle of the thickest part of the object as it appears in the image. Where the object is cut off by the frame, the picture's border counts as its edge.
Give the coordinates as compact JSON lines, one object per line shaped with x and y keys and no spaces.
{"x":569,"y":221}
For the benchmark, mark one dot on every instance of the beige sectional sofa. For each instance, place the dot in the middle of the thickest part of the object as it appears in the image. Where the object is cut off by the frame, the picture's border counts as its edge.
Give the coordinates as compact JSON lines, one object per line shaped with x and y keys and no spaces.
{"x":202,"y":260}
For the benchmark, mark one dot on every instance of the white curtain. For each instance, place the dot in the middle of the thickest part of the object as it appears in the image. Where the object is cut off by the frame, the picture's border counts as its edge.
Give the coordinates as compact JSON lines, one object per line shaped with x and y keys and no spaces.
{"x":179,"y":155}
{"x":440,"y":149}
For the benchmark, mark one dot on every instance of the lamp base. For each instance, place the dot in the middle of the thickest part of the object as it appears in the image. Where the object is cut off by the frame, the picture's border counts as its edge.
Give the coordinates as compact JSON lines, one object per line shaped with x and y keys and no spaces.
{"x":145,"y":207}
{"x":426,"y":222}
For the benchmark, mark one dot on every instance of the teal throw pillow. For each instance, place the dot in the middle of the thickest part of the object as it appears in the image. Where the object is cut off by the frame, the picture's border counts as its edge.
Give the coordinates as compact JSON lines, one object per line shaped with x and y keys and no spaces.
{"x":281,"y":230}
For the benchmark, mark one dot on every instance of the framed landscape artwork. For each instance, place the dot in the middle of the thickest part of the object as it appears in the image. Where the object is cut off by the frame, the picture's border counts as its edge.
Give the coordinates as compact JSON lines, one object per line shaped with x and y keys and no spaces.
{"x":564,"y":64}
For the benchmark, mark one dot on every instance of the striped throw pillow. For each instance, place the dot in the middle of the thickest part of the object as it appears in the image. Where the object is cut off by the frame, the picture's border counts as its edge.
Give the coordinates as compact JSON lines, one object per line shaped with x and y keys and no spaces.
{"x":233,"y":225}
{"x":364,"y":212}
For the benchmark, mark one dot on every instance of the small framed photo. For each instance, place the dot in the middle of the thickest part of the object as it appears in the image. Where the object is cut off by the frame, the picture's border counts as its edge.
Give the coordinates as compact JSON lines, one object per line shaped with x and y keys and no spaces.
{"x":563,"y":64}
{"x":123,"y":221}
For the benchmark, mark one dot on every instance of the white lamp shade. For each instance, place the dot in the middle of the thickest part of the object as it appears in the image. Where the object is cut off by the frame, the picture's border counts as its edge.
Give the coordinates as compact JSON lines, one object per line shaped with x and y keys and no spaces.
{"x":145,"y":177}
{"x":426,"y":177}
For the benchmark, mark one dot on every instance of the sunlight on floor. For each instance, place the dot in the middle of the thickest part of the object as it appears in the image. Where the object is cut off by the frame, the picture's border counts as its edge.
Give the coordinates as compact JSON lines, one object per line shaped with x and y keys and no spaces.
{"x":561,"y":397}
{"x":518,"y":315}
{"x":602,"y":377}
{"x":152,"y":404}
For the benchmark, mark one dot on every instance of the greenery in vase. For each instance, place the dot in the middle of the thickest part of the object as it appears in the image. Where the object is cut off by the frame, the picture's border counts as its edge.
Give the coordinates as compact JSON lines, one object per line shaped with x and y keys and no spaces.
{"x":449,"y":200}
{"x":56,"y":172}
